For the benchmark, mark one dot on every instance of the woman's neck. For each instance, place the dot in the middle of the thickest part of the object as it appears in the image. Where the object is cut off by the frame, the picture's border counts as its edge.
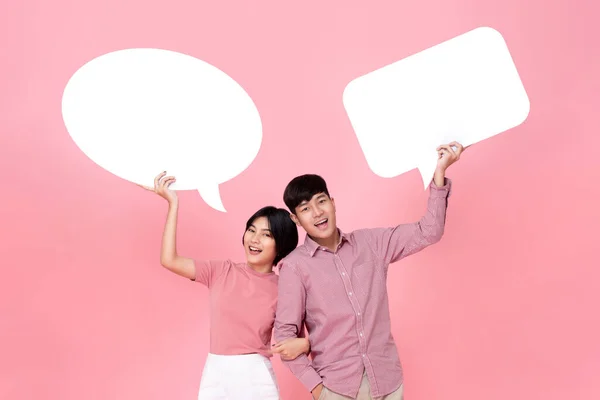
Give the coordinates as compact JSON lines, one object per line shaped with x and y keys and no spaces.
{"x":261,"y":268}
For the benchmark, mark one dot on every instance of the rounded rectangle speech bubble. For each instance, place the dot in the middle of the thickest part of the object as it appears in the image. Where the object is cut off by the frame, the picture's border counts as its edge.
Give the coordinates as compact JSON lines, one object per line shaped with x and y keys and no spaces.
{"x":466,"y":89}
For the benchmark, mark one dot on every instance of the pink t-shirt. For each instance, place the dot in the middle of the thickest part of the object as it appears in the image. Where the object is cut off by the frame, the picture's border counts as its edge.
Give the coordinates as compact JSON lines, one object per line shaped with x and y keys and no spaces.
{"x":242,"y":307}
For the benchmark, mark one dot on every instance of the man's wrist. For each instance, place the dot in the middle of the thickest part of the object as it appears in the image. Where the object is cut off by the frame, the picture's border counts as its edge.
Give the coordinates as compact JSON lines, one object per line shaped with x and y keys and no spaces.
{"x":310,"y":378}
{"x":439,"y":177}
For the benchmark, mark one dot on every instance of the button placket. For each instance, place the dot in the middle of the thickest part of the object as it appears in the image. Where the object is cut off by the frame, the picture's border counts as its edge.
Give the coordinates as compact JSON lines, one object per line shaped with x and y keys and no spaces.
{"x":355,"y":306}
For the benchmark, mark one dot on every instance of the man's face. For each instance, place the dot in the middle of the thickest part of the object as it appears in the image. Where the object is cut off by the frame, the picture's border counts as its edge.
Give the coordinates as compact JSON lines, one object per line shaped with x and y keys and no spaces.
{"x":317,"y":216}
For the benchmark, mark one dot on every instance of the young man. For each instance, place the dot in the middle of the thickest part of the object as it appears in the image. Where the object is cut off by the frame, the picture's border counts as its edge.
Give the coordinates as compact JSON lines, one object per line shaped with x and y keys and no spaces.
{"x":335,"y":284}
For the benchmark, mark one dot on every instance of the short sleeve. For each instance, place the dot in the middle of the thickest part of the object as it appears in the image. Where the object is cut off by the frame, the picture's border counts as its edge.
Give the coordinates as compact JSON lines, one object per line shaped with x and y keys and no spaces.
{"x":207,"y":271}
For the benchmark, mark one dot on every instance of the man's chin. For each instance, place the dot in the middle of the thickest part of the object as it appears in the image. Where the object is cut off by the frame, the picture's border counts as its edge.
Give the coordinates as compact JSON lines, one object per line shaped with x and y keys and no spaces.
{"x":322,"y":235}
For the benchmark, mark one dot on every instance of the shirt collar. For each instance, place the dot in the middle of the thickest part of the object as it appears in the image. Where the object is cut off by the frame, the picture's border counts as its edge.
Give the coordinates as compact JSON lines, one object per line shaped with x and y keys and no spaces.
{"x":313,"y":246}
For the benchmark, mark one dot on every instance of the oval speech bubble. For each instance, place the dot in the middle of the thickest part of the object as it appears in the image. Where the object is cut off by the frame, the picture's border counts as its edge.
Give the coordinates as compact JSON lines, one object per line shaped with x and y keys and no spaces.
{"x":137,"y":112}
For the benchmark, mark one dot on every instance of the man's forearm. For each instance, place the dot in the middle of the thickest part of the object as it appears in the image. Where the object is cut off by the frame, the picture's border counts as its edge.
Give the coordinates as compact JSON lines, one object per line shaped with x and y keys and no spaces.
{"x":439,"y":177}
{"x":289,"y":323}
{"x":301,"y":366}
{"x":303,"y":370}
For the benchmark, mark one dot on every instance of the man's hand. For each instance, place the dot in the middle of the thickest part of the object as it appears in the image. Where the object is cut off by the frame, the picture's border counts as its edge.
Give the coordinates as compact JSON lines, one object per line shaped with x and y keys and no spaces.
{"x":316,"y":393}
{"x":448,"y":154}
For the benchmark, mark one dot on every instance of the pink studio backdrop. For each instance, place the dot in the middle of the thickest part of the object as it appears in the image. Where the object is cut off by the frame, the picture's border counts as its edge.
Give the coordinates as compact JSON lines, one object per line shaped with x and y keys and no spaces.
{"x":505,"y":307}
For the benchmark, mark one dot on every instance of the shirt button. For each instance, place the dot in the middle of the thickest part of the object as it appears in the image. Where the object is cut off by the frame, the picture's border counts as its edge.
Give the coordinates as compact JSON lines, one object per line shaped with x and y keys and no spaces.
{"x":358,"y":313}
{"x":343,"y":273}
{"x":364,"y":355}
{"x":361,"y":334}
{"x":349,"y":293}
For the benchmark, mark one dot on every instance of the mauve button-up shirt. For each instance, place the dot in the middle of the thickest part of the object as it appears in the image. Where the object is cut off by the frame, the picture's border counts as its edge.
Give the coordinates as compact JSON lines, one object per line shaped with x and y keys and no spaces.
{"x":342,"y":299}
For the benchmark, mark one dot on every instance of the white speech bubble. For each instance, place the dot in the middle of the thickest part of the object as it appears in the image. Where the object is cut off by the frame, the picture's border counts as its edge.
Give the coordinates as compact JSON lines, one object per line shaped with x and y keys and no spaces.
{"x":465,"y":89}
{"x":137,"y":112}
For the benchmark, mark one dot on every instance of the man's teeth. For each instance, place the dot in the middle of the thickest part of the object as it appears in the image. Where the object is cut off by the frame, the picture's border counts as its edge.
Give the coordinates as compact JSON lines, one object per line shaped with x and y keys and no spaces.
{"x":321,"y":222}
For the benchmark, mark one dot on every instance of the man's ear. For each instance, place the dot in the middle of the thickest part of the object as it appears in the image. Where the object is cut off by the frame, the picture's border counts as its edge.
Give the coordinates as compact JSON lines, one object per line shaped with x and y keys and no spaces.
{"x":295,"y":219}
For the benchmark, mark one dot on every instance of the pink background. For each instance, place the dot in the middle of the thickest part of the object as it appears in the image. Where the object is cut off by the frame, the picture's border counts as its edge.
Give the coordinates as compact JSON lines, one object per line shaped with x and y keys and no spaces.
{"x":505,"y":307}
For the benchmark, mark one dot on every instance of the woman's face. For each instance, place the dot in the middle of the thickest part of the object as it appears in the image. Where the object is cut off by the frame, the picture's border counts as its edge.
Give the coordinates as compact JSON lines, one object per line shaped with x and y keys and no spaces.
{"x":259,"y":243}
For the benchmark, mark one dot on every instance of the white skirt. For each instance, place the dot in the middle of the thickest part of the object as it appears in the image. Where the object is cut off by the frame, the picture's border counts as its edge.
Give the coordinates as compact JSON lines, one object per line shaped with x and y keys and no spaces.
{"x":240,"y":377}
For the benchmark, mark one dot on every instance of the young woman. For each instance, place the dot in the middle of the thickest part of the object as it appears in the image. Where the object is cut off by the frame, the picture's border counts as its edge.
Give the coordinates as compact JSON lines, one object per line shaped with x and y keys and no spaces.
{"x":243,"y":300}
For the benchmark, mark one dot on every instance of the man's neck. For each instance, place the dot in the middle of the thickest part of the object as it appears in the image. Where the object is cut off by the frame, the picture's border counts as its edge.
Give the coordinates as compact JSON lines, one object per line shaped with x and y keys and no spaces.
{"x":331,"y":242}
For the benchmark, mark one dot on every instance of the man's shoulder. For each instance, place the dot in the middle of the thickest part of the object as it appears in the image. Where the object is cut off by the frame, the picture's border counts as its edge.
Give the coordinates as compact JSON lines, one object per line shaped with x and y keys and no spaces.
{"x":359,"y":232}
{"x":362,"y":235}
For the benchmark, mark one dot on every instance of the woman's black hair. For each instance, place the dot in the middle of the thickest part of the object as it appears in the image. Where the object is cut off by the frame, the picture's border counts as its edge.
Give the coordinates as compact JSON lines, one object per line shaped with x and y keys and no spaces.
{"x":283,"y":229}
